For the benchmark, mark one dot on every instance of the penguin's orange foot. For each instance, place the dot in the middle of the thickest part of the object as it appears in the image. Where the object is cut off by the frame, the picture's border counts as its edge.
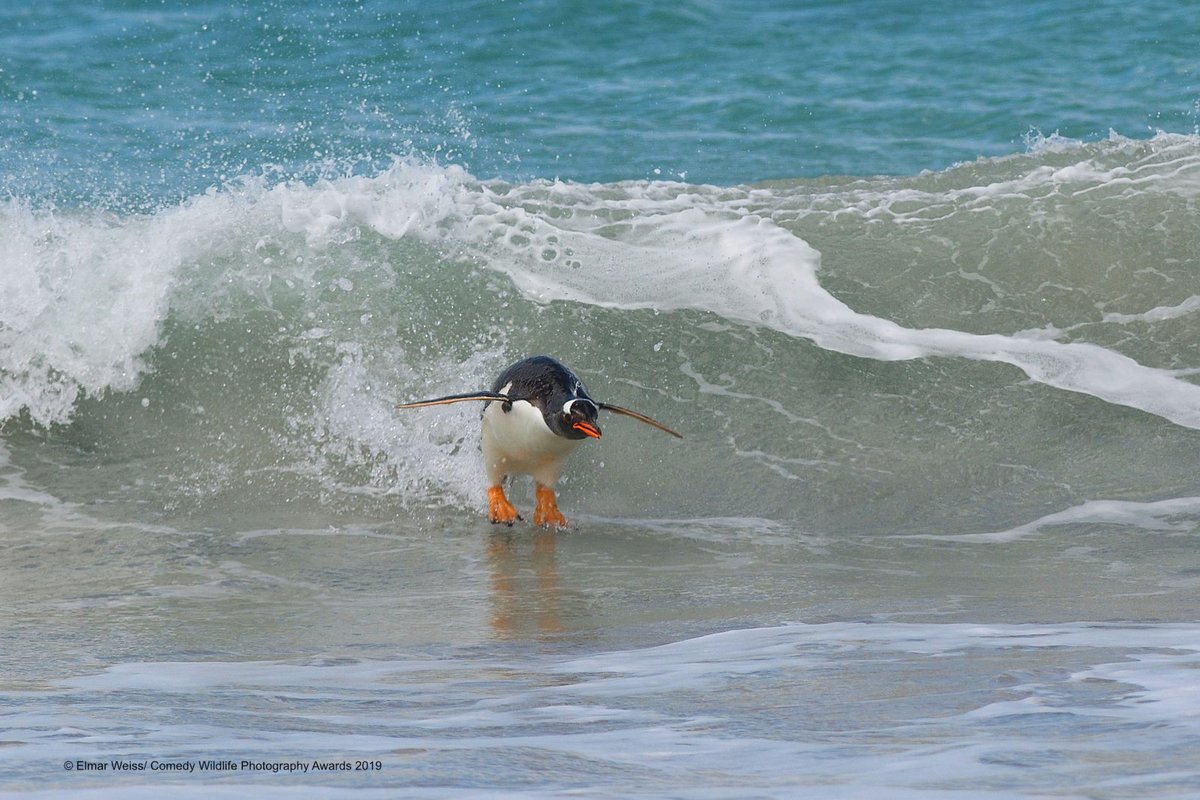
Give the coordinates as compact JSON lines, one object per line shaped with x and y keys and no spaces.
{"x":547,"y":514}
{"x":499,"y":509}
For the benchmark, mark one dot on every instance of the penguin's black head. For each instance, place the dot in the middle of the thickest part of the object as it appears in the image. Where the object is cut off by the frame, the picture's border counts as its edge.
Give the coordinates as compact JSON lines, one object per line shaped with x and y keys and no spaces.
{"x":577,"y":420}
{"x":554,"y":390}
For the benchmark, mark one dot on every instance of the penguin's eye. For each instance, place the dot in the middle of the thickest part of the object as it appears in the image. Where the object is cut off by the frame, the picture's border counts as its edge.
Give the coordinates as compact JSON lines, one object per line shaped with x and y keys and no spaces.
{"x":578,"y":408}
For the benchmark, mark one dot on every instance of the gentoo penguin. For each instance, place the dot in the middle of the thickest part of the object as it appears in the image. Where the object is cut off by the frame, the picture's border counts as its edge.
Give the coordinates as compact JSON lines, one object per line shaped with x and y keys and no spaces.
{"x":537,"y":413}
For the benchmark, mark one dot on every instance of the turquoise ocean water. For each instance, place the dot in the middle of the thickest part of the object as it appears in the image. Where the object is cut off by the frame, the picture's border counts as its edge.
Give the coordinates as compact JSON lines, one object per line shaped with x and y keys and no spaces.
{"x":918,"y":284}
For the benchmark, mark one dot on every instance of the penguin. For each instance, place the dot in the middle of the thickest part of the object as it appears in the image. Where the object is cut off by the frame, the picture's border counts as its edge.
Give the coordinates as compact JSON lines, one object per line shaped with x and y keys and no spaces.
{"x":536,"y":413}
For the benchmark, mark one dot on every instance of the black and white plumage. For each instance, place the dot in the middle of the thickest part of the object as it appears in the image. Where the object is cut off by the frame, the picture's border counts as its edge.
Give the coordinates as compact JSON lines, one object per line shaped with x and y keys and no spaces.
{"x":537,"y":412}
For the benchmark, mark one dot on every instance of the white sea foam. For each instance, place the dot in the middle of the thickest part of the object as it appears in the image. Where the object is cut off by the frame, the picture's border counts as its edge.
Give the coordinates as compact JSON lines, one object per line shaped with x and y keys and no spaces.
{"x":80,"y":302}
{"x":1175,"y":515}
{"x":744,"y":267}
{"x":353,"y":413}
{"x":1159,"y":313}
{"x":669,"y":247}
{"x":85,"y":297}
{"x":1086,"y":693}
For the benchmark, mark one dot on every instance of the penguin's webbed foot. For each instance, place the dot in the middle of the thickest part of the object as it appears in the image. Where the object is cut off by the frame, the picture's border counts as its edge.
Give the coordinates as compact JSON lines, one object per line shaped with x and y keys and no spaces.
{"x":499,"y":509}
{"x":547,"y":514}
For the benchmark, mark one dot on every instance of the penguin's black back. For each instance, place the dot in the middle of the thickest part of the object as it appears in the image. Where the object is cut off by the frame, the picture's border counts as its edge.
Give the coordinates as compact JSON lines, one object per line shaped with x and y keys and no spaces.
{"x":538,"y":380}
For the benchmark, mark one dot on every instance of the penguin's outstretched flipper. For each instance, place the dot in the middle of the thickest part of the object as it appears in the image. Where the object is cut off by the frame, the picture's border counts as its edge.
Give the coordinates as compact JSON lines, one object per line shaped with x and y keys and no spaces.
{"x":640,"y":418}
{"x":458,"y":398}
{"x":503,"y":398}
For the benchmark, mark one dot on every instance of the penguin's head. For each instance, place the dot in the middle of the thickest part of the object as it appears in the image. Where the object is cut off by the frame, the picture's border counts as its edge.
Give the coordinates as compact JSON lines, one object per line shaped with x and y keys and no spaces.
{"x":577,"y":419}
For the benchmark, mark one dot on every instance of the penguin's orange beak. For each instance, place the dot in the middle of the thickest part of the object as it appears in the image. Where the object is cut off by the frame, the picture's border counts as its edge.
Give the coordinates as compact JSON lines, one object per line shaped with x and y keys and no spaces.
{"x":587,"y":428}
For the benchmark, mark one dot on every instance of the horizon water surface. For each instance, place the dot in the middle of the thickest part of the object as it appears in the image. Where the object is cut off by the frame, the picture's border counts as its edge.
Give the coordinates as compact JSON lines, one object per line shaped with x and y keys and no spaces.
{"x":918,"y":286}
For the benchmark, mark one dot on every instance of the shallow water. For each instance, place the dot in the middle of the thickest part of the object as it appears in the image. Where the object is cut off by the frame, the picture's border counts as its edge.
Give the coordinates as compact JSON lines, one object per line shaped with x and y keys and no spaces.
{"x":717,"y":658}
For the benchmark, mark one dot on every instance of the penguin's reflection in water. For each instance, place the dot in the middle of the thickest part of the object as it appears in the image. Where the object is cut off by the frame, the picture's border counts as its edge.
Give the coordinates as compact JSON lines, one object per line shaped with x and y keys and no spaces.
{"x":524,"y":577}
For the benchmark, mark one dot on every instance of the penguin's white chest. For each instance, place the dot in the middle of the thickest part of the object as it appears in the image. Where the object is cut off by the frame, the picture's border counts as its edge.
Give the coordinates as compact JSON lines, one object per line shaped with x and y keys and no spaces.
{"x":518,"y":442}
